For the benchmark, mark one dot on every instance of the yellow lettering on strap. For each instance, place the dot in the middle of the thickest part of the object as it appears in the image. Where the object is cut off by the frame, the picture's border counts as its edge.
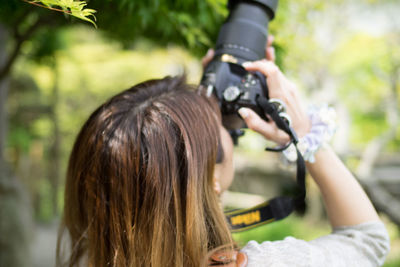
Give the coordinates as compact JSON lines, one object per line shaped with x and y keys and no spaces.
{"x":247,"y":218}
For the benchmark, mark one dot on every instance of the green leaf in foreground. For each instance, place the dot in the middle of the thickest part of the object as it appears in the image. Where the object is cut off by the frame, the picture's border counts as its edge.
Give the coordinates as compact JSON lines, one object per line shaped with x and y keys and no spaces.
{"x":70,"y":7}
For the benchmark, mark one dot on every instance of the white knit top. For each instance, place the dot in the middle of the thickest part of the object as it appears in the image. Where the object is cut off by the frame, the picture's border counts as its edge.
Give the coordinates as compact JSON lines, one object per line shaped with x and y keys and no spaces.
{"x":362,"y":245}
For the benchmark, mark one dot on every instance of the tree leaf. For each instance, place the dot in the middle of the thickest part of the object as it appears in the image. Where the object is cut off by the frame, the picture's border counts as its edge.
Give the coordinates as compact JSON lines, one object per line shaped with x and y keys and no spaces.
{"x":70,"y":7}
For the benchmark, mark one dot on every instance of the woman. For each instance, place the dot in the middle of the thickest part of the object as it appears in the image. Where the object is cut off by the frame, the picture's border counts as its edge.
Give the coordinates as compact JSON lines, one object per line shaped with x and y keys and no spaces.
{"x":148,"y":166}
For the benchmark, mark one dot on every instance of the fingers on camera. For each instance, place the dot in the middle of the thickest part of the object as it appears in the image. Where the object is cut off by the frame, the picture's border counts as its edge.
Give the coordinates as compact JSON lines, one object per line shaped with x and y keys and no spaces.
{"x":270,"y":53}
{"x":269,"y":49}
{"x":266,"y":67}
{"x":208,"y":57}
{"x":254,"y":122}
{"x":270,"y":40}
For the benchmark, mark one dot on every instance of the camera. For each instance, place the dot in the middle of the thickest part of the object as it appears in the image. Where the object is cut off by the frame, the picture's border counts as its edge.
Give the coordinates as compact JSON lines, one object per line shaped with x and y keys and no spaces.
{"x":242,"y":38}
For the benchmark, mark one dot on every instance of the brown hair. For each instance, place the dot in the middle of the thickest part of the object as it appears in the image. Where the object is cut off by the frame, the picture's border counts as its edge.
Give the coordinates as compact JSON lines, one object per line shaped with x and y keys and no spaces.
{"x":139,"y":188}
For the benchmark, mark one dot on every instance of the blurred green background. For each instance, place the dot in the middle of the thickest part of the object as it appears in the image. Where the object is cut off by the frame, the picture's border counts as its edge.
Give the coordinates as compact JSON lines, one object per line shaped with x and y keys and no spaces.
{"x":56,"y":69}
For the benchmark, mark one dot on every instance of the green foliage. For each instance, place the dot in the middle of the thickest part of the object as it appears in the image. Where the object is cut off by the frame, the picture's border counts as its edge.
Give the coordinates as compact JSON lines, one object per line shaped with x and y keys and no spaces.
{"x":45,"y":44}
{"x":193,"y":24}
{"x":69,"y":7}
{"x":189,"y":23}
{"x":392,"y":263}
{"x":45,"y":211}
{"x":364,"y":76}
{"x":20,"y":138}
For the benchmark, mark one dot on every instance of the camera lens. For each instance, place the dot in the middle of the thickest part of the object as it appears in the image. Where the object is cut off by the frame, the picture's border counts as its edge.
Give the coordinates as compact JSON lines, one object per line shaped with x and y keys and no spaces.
{"x":244,"y":34}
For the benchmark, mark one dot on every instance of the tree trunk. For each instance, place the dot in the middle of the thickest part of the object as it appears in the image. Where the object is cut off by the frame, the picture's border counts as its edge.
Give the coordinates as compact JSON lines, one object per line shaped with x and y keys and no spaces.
{"x":15,"y":215}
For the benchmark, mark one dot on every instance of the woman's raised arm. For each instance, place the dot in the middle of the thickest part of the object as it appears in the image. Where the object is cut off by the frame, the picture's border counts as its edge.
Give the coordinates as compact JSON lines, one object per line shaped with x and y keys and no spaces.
{"x":345,"y":200}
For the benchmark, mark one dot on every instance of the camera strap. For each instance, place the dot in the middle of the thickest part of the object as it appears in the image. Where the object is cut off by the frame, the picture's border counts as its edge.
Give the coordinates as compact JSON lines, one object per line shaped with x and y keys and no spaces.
{"x":278,"y":207}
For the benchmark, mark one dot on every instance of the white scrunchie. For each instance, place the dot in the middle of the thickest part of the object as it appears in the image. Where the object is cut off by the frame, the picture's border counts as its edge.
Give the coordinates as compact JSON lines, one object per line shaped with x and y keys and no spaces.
{"x":323,"y":127}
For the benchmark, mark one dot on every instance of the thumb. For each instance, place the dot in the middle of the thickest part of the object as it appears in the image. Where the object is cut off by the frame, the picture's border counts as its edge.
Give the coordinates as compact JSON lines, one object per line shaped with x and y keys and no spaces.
{"x":267,"y":129}
{"x":207,"y":58}
{"x":255,"y":123}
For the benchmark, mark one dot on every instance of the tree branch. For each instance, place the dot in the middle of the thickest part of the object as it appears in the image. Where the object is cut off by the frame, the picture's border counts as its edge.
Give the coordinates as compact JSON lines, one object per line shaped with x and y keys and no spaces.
{"x":51,"y":8}
{"x":20,"y":39}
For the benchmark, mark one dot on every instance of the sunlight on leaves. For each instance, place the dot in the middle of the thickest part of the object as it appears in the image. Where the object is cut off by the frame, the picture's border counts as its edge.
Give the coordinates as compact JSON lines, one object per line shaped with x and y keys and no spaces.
{"x":70,"y":7}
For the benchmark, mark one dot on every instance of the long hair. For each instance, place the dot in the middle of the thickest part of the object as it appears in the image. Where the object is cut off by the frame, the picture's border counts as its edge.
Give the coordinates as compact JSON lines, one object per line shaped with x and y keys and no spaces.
{"x":139,"y":188}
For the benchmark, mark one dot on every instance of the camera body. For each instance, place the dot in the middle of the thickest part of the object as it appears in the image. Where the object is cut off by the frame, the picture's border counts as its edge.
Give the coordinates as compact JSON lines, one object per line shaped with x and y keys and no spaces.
{"x":234,"y":88}
{"x":242,"y":38}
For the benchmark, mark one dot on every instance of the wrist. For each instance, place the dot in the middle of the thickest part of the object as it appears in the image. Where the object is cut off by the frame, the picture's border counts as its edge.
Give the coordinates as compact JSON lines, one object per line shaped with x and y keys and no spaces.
{"x":305,"y":128}
{"x":322,"y":126}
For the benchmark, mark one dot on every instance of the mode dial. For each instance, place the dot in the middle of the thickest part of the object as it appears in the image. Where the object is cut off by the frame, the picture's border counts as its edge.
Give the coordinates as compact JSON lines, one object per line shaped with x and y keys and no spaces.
{"x":231,"y":93}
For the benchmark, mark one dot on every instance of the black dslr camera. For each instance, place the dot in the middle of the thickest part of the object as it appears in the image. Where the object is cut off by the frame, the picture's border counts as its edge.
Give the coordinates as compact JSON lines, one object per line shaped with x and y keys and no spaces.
{"x":242,"y":38}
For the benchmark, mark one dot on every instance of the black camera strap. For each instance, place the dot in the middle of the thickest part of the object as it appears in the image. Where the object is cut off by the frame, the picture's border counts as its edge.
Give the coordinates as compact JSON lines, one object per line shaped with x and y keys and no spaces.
{"x":279,"y":207}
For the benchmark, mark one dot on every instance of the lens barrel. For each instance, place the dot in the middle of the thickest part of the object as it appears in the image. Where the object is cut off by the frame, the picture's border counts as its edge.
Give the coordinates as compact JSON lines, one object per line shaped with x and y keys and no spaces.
{"x":244,"y":33}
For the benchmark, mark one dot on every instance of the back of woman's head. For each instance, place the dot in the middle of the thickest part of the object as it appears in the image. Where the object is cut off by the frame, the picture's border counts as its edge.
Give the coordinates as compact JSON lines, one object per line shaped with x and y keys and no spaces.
{"x":139,"y":188}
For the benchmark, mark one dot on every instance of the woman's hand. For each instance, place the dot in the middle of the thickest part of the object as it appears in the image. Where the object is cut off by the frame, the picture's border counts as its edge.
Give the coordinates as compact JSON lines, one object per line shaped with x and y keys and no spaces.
{"x":281,"y":88}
